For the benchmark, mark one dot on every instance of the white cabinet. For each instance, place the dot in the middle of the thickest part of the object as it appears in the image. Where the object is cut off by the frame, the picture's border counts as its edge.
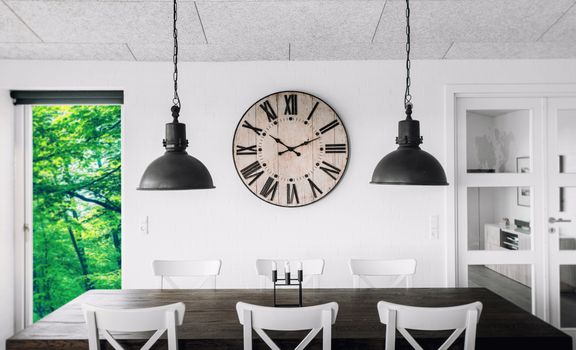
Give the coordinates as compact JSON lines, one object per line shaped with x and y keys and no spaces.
{"x":493,"y":238}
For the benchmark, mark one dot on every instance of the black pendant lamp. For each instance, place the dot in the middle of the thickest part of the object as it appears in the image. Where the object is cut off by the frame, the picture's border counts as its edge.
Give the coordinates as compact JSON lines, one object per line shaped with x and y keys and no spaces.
{"x":176,"y":169}
{"x":409,"y":165}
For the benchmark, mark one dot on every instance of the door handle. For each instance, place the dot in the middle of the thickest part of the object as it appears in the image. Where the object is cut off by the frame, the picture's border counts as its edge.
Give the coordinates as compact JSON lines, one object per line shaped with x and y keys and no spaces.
{"x":557,"y":220}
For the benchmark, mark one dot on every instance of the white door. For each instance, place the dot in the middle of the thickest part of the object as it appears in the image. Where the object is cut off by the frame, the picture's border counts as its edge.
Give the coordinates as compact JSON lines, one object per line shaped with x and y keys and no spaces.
{"x":561,"y":184}
{"x":501,"y":197}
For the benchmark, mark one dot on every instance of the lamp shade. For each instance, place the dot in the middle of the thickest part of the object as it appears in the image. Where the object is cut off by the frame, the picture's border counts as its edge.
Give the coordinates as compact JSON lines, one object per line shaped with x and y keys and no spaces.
{"x":409,"y":165}
{"x":176,"y":169}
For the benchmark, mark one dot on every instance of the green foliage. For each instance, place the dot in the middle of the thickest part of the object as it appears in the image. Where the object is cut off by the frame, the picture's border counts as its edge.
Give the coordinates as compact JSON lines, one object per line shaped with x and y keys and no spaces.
{"x":76,"y":205}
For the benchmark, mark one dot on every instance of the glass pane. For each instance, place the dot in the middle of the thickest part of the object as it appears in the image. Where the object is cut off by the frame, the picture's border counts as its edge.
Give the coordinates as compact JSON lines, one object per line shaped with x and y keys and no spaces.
{"x":498,"y":141}
{"x":499,"y":218}
{"x":76,"y":166}
{"x":566,"y":140}
{"x":567,"y":296}
{"x":567,"y":211}
{"x":511,"y":282}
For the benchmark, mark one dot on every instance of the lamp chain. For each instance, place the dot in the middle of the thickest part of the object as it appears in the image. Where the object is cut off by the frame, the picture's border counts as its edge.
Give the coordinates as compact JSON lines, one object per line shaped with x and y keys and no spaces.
{"x":407,"y":96}
{"x":176,"y":98}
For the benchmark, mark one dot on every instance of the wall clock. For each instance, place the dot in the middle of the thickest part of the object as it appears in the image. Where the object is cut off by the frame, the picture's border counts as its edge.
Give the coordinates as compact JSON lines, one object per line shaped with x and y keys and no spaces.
{"x":290,"y":149}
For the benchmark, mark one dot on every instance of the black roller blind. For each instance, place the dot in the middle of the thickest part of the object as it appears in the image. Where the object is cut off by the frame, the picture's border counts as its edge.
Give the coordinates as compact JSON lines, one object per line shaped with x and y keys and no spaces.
{"x":35,"y":97}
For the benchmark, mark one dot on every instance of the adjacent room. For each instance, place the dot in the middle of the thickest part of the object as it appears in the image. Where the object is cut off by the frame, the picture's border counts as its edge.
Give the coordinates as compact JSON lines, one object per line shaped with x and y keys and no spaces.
{"x":268,"y":174}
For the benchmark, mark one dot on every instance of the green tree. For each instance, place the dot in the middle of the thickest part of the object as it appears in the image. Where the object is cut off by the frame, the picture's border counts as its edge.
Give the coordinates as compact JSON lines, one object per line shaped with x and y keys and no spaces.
{"x":76,"y":204}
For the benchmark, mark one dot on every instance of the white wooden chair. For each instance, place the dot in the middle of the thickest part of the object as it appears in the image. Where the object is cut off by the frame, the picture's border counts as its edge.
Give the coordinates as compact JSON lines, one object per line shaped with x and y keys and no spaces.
{"x":200,"y":270}
{"x":160,"y":319}
{"x":311,"y":268}
{"x":314,"y":318}
{"x":463,"y":318}
{"x":403,"y":269}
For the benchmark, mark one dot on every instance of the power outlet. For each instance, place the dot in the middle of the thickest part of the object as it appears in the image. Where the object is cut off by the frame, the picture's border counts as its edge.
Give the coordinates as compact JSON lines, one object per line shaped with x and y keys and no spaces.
{"x":144,"y":225}
{"x":434,"y":227}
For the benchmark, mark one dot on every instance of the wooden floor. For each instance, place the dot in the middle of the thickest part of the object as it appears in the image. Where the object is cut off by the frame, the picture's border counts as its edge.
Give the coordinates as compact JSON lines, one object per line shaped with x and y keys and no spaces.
{"x":568,"y":307}
{"x":519,"y":294}
{"x":211,"y":321}
{"x":507,"y":288}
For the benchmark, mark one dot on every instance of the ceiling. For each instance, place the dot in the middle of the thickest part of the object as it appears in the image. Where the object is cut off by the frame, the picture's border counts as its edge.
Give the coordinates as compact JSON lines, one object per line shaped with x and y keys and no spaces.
{"x":140,"y":30}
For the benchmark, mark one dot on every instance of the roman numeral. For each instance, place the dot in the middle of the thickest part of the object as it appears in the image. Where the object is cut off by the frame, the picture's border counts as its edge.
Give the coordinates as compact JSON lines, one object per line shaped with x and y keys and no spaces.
{"x":329,"y":126}
{"x":335,"y":148}
{"x":267,"y":107}
{"x":330,"y":170}
{"x":291,"y":104}
{"x":245,"y":151}
{"x":269,"y":188}
{"x":252,"y":171}
{"x":291,"y":194}
{"x":312,"y":111}
{"x":314,"y":188}
{"x":253,"y":128}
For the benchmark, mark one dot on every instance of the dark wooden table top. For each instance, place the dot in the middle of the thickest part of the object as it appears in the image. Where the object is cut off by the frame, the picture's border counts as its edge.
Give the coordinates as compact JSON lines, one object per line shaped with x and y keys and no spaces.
{"x":211,"y":321}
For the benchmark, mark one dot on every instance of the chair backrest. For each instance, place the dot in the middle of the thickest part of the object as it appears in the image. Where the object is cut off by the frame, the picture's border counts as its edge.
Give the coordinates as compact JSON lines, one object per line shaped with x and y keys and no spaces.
{"x":314,"y":318}
{"x":205,"y":270}
{"x":159,"y":319}
{"x":311,"y":268}
{"x":458,"y":318}
{"x":402,"y":269}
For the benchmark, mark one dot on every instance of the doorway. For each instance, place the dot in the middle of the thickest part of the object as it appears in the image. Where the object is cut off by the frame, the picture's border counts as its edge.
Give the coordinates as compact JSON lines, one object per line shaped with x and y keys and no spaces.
{"x":516,"y":204}
{"x":69,"y":195}
{"x":76,"y":225}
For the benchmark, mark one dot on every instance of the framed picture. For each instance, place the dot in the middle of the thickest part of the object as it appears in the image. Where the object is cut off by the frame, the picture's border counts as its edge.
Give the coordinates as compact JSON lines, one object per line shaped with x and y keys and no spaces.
{"x":523,"y":193}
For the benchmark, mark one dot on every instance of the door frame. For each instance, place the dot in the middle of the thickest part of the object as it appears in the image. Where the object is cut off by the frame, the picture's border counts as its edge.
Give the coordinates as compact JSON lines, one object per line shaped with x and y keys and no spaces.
{"x":452,"y":93}
{"x":23,"y":274}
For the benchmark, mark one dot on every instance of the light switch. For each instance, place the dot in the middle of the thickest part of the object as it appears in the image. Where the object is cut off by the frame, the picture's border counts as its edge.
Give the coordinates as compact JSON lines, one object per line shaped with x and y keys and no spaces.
{"x":433,"y":227}
{"x":144,"y":225}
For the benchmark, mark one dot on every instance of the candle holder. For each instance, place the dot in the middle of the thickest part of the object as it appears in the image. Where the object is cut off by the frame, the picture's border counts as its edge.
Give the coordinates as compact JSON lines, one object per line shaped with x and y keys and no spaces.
{"x":288,"y":282}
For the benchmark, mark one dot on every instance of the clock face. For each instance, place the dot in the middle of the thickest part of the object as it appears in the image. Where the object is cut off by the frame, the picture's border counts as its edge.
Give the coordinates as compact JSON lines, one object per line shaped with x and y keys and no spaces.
{"x":290,"y":149}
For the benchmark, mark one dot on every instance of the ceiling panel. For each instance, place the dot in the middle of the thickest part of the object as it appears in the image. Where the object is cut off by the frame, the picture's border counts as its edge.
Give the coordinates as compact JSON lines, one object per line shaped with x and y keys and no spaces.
{"x":12,"y":29}
{"x":511,"y":50}
{"x":471,"y":21}
{"x":108,"y":22}
{"x":144,"y":52}
{"x":378,"y":51}
{"x":564,"y":29}
{"x":97,"y":52}
{"x":260,"y":30}
{"x":289,"y":21}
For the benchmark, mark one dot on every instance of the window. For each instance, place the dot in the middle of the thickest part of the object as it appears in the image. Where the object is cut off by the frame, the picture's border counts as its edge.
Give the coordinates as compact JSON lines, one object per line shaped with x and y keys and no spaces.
{"x":72,"y":191}
{"x":76,"y":202}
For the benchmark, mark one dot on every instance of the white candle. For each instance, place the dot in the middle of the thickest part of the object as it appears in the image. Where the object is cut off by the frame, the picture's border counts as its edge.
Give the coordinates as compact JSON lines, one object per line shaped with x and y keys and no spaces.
{"x":286,"y":267}
{"x":299,"y":265}
{"x":274,"y":267}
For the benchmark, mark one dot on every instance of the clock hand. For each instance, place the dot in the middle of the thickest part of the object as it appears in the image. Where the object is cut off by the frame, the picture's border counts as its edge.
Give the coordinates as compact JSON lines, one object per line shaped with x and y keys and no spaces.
{"x":306,"y":142}
{"x":300,"y":145}
{"x":288,"y":148}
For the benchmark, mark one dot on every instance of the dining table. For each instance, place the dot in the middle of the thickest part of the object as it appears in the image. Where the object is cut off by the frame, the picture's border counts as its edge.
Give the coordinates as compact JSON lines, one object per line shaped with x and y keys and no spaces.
{"x":211,"y":321}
